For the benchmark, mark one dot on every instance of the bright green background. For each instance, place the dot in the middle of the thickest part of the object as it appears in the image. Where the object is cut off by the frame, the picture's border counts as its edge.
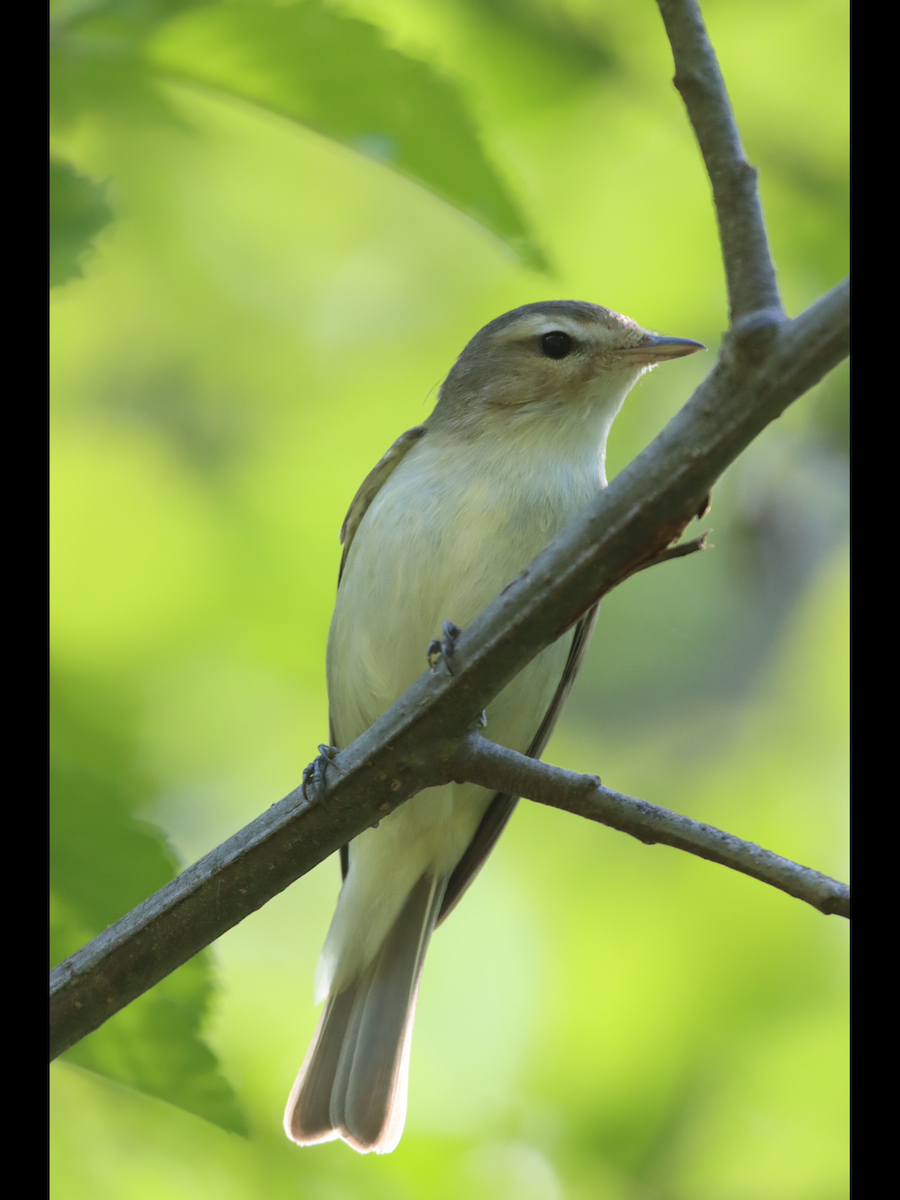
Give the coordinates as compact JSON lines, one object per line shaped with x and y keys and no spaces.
{"x":271,"y":299}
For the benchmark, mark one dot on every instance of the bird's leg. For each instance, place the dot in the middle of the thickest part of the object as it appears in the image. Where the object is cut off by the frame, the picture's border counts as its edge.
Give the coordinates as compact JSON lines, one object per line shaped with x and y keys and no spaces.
{"x":444,"y":648}
{"x":316,"y":769}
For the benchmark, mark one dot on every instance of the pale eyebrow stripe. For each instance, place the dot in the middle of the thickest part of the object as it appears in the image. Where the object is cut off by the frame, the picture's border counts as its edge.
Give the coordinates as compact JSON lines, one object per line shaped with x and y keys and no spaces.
{"x":539,"y":323}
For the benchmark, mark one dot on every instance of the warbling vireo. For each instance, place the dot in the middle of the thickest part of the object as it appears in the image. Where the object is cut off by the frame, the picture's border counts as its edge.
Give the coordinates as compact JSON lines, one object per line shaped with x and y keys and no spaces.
{"x":456,"y":508}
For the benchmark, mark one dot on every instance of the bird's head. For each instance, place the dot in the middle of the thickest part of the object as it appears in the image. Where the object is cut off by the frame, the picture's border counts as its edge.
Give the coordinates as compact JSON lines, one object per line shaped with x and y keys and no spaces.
{"x":555,"y":360}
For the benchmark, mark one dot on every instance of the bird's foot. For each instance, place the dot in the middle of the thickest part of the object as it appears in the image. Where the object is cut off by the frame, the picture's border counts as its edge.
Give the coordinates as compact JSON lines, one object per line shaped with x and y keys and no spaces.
{"x":444,"y":649}
{"x":316,"y":769}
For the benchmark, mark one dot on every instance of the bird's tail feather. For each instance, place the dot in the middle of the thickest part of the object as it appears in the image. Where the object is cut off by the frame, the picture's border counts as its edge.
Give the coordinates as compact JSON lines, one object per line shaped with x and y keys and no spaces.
{"x":353,"y":1082}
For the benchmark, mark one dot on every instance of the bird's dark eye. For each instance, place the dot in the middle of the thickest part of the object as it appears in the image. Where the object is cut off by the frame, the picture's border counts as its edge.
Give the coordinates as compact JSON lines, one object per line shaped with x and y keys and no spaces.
{"x":557,"y":344}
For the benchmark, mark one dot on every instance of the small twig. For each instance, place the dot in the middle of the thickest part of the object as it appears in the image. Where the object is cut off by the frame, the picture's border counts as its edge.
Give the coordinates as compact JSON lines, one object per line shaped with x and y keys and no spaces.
{"x":502,"y":770}
{"x":681,"y":550}
{"x":749,"y":270}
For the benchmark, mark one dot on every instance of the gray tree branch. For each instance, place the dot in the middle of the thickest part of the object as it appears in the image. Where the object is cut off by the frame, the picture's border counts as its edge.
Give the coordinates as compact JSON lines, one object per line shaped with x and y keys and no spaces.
{"x":749,"y":269}
{"x":502,"y":770}
{"x":766,"y":362}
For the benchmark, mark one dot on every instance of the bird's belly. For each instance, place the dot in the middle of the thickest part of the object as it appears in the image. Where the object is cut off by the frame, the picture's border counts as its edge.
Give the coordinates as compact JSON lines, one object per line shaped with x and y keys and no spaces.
{"x":409,"y":570}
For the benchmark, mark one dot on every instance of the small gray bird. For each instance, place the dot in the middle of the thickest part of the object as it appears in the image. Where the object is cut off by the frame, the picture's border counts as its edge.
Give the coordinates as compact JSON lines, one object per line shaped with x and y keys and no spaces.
{"x":514,"y":448}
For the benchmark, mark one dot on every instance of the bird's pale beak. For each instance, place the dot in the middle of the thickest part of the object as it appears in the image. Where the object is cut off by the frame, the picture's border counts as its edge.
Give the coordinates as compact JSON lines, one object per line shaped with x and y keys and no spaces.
{"x":653,"y":349}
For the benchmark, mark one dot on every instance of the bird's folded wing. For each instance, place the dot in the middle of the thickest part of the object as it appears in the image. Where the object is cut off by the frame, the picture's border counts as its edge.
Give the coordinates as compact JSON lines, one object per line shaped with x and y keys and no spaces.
{"x":372,"y":485}
{"x":366,"y":493}
{"x":501,"y":807}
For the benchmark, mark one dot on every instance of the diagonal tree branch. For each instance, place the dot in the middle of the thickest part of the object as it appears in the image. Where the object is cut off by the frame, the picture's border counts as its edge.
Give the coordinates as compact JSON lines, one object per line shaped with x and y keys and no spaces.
{"x":413,"y":745}
{"x":749,"y":269}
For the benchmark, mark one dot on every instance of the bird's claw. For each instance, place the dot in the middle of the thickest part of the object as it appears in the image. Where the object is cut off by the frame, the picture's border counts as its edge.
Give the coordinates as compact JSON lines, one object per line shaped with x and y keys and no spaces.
{"x":444,"y":648}
{"x":316,"y":769}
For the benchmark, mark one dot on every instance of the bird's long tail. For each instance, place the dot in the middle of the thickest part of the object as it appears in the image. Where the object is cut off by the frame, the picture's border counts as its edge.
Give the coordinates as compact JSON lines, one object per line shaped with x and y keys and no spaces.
{"x":353,"y":1082}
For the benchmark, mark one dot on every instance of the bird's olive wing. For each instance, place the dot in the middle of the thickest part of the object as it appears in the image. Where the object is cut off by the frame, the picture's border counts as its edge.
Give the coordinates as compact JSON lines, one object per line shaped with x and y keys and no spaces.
{"x":372,"y":485}
{"x":501,"y":807}
{"x":368,"y":490}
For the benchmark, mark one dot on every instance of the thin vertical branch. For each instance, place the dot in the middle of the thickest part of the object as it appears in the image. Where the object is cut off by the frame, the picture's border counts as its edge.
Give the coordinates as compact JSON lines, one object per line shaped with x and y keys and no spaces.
{"x":749,"y":269}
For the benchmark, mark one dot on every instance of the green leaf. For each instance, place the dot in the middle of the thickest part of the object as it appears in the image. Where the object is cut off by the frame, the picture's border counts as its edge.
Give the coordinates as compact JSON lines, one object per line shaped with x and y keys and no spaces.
{"x":78,"y":211}
{"x":95,"y":59}
{"x":337,"y":76}
{"x":103,"y":862}
{"x":575,"y":43}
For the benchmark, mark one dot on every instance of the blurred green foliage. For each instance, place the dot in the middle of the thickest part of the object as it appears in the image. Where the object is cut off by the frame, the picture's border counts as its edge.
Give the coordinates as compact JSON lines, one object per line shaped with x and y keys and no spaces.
{"x":105,"y":861}
{"x":274,"y":302}
{"x":78,"y":211}
{"x":303,"y":61}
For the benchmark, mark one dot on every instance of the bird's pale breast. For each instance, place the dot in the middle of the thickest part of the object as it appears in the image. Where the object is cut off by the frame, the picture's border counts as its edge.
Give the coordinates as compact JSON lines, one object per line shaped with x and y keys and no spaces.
{"x":442,"y":538}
